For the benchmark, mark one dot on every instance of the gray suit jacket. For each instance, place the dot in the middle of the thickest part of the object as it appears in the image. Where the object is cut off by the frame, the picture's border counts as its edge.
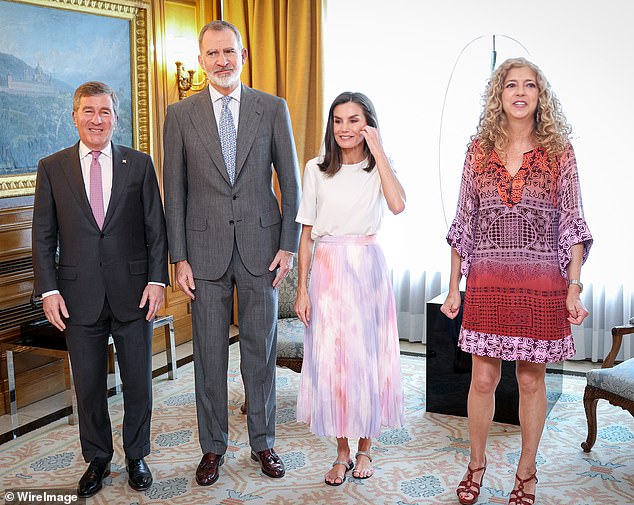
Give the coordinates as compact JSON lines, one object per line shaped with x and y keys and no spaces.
{"x":203,"y":211}
{"x":117,"y":261}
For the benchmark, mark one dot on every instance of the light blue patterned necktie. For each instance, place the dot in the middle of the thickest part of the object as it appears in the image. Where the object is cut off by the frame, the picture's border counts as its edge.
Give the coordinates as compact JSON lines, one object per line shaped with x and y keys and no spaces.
{"x":227,"y":131}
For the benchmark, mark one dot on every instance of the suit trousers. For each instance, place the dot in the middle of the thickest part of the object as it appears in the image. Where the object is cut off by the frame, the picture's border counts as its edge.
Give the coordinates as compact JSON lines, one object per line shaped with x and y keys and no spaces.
{"x":88,"y":349}
{"x":257,"y":319}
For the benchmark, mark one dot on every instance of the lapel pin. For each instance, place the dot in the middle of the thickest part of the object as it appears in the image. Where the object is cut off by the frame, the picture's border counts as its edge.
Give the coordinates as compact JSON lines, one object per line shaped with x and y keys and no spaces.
{"x":124,"y":161}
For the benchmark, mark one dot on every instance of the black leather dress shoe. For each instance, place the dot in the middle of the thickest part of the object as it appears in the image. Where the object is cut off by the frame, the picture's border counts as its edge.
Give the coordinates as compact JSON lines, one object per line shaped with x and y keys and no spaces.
{"x":207,"y":472}
{"x":91,"y":482}
{"x":272,"y":465}
{"x":139,"y":475}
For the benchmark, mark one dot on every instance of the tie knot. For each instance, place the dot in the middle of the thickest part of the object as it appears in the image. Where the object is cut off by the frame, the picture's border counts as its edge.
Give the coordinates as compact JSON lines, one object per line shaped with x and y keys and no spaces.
{"x":226,"y":100}
{"x":95,"y":154}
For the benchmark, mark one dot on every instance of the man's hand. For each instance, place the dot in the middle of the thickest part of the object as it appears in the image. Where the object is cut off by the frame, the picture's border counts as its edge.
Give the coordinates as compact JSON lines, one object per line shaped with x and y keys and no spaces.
{"x":185,"y":278}
{"x":153,"y":296}
{"x":54,"y":308}
{"x":283,"y":260}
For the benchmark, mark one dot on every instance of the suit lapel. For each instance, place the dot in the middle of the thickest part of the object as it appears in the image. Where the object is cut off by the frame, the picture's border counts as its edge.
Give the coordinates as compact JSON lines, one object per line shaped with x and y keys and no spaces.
{"x":71,"y":167}
{"x":120,"y":173}
{"x":203,"y":119}
{"x":250,"y":116}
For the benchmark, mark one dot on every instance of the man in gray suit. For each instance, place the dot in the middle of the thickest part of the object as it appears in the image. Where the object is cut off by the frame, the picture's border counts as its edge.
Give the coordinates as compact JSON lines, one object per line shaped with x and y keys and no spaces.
{"x":225,"y":230}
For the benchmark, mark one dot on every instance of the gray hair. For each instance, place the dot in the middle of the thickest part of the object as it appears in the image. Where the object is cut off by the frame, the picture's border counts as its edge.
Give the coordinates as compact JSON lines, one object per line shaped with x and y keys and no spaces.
{"x":94,"y":88}
{"x":218,"y":26}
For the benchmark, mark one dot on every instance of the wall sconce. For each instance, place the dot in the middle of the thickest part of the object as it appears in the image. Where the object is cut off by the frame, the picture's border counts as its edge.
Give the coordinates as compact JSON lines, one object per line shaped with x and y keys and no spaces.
{"x":185,"y":80}
{"x":183,"y":51}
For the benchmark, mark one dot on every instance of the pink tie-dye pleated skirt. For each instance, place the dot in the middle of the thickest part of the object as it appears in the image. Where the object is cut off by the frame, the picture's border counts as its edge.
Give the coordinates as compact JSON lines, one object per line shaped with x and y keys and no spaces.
{"x":351,"y":376}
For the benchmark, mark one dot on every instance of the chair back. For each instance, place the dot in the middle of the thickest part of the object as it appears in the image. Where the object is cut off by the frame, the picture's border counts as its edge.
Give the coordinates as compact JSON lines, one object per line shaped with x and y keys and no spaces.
{"x":287,"y":291}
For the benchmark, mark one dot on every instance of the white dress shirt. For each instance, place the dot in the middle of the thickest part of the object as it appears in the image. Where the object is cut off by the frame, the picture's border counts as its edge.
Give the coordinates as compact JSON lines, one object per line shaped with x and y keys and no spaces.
{"x":105,"y":160}
{"x":234,"y":105}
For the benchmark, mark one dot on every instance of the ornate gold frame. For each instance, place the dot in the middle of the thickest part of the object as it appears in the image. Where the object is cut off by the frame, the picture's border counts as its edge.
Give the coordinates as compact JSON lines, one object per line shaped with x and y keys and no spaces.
{"x":137,"y":12}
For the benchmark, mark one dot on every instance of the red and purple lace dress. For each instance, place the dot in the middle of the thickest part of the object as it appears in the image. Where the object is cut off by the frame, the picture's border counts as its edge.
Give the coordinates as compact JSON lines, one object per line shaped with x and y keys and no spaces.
{"x":514,"y":236}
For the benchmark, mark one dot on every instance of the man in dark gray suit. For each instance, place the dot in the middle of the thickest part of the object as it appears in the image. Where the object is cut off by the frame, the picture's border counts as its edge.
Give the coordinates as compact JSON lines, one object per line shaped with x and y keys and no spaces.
{"x":98,"y":204}
{"x":224,"y":230}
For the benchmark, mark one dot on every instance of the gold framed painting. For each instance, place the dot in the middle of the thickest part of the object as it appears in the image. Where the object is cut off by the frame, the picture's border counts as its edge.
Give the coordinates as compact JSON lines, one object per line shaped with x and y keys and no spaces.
{"x":47,"y":49}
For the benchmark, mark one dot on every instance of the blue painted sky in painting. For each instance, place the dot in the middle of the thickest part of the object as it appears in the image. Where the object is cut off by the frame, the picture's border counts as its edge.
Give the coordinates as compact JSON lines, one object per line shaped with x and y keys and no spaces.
{"x":71,"y":46}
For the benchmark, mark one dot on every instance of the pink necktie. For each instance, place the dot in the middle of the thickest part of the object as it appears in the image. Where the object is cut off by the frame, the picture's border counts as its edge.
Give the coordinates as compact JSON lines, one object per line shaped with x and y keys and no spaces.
{"x":96,"y":189}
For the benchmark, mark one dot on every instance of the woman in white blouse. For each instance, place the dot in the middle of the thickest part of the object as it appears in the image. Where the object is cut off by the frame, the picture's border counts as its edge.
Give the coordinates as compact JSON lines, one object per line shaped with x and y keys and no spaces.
{"x":351,"y":380}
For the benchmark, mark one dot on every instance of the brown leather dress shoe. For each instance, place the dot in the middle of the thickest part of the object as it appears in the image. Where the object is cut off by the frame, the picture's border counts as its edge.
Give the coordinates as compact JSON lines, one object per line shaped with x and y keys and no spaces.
{"x":207,"y":471}
{"x":272,"y":465}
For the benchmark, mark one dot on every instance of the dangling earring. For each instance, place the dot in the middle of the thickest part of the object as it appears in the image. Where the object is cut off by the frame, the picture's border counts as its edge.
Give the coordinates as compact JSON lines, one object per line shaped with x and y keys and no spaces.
{"x":538,"y":117}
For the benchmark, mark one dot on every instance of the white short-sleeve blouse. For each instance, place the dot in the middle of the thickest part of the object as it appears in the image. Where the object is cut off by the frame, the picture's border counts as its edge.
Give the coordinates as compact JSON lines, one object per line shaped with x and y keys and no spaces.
{"x":349,"y":203}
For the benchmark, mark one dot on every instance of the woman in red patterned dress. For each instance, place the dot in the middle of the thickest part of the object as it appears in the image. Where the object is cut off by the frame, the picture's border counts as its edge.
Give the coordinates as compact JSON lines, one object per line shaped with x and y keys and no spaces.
{"x":520,"y":238}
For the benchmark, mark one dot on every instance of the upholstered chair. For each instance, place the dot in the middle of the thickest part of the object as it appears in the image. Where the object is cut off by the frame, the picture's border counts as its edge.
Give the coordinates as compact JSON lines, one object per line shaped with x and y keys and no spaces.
{"x":290,"y":330}
{"x":612,"y":383}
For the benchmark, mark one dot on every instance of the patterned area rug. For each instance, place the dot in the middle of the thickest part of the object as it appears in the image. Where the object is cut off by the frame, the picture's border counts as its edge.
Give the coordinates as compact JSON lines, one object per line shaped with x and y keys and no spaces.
{"x":419,"y":464}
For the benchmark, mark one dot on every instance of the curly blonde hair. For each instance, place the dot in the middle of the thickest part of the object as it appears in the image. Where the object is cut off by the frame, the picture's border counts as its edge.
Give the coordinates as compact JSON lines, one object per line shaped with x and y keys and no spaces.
{"x":551,"y":129}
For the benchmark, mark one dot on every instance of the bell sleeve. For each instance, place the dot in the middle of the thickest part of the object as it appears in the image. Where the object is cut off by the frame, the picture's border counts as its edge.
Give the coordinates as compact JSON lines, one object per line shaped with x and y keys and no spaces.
{"x":572,"y":226}
{"x":461,"y":235}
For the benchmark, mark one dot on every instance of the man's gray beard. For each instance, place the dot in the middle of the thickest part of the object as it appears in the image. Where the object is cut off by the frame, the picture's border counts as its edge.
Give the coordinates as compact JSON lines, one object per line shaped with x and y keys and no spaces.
{"x":224,"y":82}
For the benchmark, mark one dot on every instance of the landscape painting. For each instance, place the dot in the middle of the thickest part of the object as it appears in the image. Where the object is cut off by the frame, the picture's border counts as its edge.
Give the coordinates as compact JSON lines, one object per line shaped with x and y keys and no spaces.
{"x":45,"y":53}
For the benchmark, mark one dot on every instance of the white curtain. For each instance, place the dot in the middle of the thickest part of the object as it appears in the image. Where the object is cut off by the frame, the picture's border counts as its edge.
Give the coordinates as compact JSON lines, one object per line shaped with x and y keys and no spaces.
{"x":425,"y":65}
{"x":412,"y":291}
{"x":609,"y":305}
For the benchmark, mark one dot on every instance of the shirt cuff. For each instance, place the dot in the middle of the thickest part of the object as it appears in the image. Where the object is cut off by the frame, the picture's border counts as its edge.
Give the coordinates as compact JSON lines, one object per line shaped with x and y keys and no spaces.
{"x":154,"y":283}
{"x":49,"y":293}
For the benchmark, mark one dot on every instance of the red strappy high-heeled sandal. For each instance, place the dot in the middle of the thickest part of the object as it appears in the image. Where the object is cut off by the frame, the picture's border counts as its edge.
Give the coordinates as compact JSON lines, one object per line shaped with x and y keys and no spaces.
{"x":518,"y":496}
{"x":469,"y":486}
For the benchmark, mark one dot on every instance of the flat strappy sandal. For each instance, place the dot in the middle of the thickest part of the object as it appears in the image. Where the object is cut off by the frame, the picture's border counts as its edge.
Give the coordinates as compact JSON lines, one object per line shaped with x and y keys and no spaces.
{"x":518,"y":496}
{"x":367,"y":455}
{"x":349,"y":465}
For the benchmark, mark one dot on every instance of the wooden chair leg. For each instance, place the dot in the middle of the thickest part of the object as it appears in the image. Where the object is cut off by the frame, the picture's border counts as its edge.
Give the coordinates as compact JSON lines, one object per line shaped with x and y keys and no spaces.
{"x":243,"y":407}
{"x":590,"y":404}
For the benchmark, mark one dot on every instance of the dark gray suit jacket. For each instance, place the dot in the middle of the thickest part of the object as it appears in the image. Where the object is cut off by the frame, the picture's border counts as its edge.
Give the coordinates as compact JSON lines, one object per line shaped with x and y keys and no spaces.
{"x":203,"y":211}
{"x":117,"y":261}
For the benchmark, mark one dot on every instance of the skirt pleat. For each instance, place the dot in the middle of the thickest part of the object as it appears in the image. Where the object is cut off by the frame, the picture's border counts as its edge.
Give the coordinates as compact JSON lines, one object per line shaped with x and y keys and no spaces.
{"x":351,"y":377}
